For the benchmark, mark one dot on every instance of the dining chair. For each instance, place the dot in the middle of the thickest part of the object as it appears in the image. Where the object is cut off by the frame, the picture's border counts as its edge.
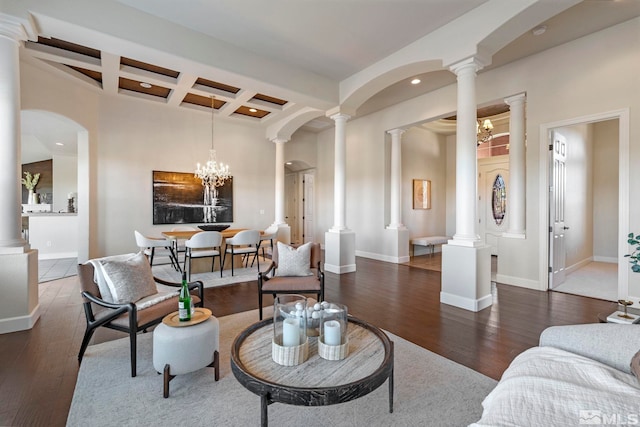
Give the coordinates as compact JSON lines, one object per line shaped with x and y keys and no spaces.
{"x":245,"y":243}
{"x":149,"y":245}
{"x":178,"y":244}
{"x":266,"y":240}
{"x":205,"y":244}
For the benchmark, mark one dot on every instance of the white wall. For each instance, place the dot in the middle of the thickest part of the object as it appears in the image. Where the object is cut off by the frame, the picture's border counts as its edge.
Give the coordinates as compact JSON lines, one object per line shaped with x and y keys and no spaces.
{"x":65,"y":180}
{"x":605,"y":190}
{"x":424,"y":156}
{"x":579,"y":195}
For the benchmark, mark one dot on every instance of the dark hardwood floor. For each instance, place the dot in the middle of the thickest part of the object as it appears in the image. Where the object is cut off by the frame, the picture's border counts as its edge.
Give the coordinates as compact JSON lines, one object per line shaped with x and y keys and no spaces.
{"x":38,"y":367}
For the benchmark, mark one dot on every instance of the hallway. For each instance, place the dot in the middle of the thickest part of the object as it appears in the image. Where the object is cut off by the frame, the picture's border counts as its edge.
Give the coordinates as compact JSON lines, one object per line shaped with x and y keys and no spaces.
{"x":595,"y":280}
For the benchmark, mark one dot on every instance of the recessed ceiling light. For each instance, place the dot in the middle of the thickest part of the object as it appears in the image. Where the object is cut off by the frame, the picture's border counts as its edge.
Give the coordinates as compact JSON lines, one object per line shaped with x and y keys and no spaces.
{"x":415,"y":81}
{"x":146,"y":85}
{"x":253,"y":110}
{"x":540,"y":30}
{"x":288,"y":163}
{"x":59,"y":143}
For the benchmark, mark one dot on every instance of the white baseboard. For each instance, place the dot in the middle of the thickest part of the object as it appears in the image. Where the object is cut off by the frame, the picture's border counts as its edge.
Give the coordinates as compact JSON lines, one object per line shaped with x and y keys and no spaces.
{"x":519,"y":281}
{"x":466,"y":303}
{"x":385,"y":258}
{"x":58,"y":255}
{"x":338,"y":269}
{"x":611,"y":260}
{"x":20,"y":323}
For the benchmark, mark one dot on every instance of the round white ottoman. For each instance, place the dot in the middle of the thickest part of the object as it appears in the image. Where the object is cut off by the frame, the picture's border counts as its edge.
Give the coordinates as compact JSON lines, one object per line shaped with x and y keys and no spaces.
{"x":180,"y":350}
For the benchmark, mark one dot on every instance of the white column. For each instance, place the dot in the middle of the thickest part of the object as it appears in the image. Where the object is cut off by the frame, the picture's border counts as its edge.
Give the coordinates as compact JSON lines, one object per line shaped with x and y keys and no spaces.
{"x":339,"y":241}
{"x":466,"y":261}
{"x":466,"y":155}
{"x":279,"y":202}
{"x":11,"y":240}
{"x":517,"y":158}
{"x":19,"y":307}
{"x":339,"y":185}
{"x":396,"y":179}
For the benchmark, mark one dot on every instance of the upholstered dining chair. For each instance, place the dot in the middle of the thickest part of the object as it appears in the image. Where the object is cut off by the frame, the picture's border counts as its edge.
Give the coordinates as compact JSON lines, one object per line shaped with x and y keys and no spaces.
{"x":293,"y":270}
{"x":245,"y":243}
{"x":120,"y":292}
{"x":205,"y":244}
{"x":152,"y":246}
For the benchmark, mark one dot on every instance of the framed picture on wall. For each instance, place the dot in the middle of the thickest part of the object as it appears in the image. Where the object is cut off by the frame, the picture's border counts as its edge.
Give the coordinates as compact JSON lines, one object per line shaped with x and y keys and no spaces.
{"x":178,"y":198}
{"x":421,"y":194}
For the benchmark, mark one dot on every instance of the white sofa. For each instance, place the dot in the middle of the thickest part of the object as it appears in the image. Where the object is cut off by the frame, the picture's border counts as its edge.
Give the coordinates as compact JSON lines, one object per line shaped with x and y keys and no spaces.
{"x":580,"y":374}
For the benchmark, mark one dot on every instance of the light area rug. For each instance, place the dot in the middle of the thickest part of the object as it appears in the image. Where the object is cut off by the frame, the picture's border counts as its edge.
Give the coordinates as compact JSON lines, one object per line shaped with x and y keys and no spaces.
{"x":212,"y":279}
{"x":429,"y":391}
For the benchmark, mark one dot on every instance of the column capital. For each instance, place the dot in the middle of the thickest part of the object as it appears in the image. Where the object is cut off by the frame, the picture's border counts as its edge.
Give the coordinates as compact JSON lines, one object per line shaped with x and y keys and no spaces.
{"x":396,"y":131}
{"x":279,"y":140}
{"x":340,"y":117}
{"x":17,"y":29}
{"x":472,"y":64}
{"x":510,"y":100}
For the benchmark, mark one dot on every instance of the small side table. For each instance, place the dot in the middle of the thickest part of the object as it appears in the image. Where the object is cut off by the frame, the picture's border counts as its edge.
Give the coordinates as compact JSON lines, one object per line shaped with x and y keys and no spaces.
{"x":182,"y":348}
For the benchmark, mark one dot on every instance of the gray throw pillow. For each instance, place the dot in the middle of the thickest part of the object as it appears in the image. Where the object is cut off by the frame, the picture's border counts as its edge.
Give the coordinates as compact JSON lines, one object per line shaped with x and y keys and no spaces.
{"x":294,"y":261}
{"x":129,"y":280}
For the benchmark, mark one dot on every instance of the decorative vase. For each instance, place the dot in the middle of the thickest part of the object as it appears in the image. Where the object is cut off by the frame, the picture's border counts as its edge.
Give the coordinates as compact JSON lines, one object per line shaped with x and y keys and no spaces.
{"x":30,"y":199}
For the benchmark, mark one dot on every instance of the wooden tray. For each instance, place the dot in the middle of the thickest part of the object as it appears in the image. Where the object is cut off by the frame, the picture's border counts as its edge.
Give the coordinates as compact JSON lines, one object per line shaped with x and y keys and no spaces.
{"x":200,"y":315}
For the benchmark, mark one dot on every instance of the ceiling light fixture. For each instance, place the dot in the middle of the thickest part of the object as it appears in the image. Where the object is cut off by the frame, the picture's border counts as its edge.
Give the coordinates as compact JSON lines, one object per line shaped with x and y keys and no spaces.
{"x":484,"y":131}
{"x":253,"y":110}
{"x":539,"y":30}
{"x":213,"y":175}
{"x":415,"y":81}
{"x":59,"y":143}
{"x":146,"y":85}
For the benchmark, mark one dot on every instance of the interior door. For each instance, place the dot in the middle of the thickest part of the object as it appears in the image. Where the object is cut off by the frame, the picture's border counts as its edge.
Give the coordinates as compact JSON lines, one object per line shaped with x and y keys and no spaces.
{"x":291,"y":205}
{"x":493,"y":182}
{"x":557,"y":226}
{"x":308,"y":203}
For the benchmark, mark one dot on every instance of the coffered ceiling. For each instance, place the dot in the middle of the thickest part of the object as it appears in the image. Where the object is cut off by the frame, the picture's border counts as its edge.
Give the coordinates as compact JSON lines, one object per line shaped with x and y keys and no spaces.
{"x":294,"y":53}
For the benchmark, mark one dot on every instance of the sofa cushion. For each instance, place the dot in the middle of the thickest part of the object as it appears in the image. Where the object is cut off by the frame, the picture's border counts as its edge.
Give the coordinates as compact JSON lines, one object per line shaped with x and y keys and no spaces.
{"x":129,"y":280}
{"x":635,"y":365}
{"x":546,"y":386}
{"x":294,"y":261}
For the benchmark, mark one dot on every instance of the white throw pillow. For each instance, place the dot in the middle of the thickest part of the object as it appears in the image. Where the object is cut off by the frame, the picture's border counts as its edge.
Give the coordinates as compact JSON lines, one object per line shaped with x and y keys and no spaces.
{"x":294,"y":261}
{"x":98,"y":276}
{"x":129,"y":280}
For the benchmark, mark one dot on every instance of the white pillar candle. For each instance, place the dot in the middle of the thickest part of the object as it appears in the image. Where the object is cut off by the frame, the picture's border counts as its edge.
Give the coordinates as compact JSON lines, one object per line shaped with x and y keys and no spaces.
{"x":332,"y":332}
{"x":290,"y":333}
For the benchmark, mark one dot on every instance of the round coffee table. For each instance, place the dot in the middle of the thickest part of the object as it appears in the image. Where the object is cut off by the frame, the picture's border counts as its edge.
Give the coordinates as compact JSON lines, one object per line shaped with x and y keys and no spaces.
{"x":317,"y":381}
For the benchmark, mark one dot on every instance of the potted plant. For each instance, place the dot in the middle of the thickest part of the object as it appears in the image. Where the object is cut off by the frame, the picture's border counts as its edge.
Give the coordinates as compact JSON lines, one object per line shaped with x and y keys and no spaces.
{"x":30,"y":182}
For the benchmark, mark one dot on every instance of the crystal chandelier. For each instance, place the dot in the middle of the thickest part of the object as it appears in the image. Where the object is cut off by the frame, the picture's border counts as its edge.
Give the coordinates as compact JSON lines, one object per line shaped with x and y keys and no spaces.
{"x":484,"y":131}
{"x":212,"y":173}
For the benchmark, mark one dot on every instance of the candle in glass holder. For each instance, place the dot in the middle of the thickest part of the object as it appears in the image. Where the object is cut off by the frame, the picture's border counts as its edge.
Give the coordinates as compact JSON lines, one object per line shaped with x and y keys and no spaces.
{"x":332,"y":332}
{"x":290,"y":333}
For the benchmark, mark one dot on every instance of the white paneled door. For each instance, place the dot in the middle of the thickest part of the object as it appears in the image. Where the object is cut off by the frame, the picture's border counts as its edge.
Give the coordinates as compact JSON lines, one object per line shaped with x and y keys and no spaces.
{"x":557,"y":192}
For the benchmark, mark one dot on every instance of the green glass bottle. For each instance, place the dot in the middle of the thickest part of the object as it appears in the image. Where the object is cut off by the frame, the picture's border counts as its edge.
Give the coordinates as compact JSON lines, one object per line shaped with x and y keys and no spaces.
{"x":184,"y":301}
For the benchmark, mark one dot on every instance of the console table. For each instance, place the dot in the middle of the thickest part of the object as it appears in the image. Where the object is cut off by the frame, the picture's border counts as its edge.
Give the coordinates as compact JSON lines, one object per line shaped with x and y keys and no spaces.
{"x":317,"y":381}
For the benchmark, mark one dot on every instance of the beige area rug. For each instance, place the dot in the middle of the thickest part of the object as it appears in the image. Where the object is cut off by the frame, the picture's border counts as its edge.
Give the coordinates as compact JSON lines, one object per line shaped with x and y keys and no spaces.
{"x":213,"y":279}
{"x":429,"y":391}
